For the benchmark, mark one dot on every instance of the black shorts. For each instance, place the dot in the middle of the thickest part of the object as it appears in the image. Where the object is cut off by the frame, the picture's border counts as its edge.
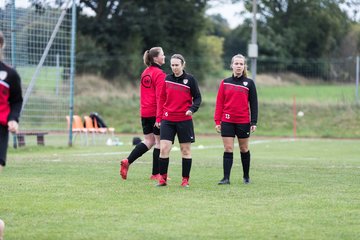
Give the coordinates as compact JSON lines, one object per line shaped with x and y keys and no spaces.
{"x":183,"y":129}
{"x":148,"y":126}
{"x":232,"y":129}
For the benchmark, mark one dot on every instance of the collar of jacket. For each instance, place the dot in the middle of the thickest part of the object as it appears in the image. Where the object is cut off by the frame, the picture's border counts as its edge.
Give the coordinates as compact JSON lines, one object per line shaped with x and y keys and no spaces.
{"x":155,"y":65}
{"x":181,"y":77}
{"x":241,"y":78}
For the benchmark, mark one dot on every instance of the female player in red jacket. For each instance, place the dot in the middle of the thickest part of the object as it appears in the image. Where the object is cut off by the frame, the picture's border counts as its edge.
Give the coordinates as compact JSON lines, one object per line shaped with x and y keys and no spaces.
{"x":10,"y":103}
{"x":152,"y":80}
{"x":236,"y":113}
{"x":180,"y":99}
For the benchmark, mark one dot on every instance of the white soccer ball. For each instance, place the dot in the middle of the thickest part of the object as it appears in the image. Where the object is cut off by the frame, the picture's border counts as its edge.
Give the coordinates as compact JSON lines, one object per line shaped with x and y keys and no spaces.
{"x":109,"y":142}
{"x":300,"y":114}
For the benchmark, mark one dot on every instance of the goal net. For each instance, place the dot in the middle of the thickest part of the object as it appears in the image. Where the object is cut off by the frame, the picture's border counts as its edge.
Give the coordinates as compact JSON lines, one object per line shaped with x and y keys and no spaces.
{"x":38,"y":45}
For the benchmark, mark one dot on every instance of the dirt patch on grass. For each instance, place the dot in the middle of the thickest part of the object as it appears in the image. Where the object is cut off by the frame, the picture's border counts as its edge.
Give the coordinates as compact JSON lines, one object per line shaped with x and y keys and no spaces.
{"x":282,"y":79}
{"x":94,"y":86}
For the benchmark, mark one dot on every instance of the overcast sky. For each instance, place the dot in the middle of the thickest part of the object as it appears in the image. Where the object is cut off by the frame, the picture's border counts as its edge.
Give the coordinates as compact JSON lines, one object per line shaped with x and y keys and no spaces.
{"x":228,"y":11}
{"x":231,"y":11}
{"x":223,"y":7}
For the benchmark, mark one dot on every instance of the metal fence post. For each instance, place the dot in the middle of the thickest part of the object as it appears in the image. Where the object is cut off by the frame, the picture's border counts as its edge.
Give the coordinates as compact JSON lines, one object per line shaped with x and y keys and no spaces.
{"x":357,"y":79}
{"x":72,"y":71}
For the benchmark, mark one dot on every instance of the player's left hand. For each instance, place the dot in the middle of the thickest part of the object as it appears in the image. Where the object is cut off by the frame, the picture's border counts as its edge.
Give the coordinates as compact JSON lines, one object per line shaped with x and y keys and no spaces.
{"x":13,"y":126}
{"x":188,"y":113}
{"x":253,"y":128}
{"x":218,"y":128}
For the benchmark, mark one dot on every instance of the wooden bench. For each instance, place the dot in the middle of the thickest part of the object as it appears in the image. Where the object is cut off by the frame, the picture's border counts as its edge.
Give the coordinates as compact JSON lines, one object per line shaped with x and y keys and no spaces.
{"x":39,"y":137}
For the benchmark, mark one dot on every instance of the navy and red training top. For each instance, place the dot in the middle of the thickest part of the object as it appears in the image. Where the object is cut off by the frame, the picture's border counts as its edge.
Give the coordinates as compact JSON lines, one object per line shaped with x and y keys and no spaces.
{"x":152,"y":81}
{"x":10,"y":94}
{"x":236,"y":101}
{"x":179,"y":95}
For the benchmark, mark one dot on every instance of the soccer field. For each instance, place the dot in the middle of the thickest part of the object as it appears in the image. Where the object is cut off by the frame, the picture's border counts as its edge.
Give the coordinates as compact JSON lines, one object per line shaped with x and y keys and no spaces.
{"x":301,"y":189}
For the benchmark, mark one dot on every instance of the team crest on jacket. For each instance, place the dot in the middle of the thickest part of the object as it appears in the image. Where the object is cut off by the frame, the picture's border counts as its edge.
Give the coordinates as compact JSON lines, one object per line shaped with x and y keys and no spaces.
{"x":146,"y":81}
{"x":245,"y":84}
{"x":3,"y":75}
{"x":185,"y":81}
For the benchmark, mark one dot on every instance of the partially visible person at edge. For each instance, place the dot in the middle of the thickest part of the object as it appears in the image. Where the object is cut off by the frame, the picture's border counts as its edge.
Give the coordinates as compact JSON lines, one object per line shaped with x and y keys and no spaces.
{"x":10,"y":103}
{"x":152,"y":81}
{"x":2,"y":229}
{"x":236,"y":113}
{"x":180,"y":99}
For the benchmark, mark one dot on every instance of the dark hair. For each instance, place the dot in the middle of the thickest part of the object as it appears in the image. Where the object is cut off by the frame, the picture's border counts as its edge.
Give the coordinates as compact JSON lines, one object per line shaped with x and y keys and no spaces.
{"x":149,"y":55}
{"x":180,"y":57}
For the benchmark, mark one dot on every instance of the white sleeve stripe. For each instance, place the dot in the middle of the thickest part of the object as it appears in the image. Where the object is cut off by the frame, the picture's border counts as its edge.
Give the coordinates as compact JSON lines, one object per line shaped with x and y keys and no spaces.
{"x":178,"y":84}
{"x":5,"y":84}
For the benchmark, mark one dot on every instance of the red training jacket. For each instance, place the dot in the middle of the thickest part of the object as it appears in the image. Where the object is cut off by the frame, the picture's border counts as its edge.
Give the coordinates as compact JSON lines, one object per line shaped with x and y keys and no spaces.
{"x":179,"y":95}
{"x":236,"y":101}
{"x":10,"y":94}
{"x":152,"y":81}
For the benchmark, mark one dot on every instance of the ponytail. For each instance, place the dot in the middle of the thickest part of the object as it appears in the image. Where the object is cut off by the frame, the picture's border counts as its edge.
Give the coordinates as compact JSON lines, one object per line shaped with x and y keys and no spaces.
{"x":149,"y":55}
{"x":147,"y":60}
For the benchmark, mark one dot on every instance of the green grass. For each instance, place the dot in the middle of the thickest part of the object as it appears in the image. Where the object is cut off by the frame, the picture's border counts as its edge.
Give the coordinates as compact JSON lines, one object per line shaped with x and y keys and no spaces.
{"x":329,"y":110}
{"x":303,"y":189}
{"x":48,"y":79}
{"x":310,"y":94}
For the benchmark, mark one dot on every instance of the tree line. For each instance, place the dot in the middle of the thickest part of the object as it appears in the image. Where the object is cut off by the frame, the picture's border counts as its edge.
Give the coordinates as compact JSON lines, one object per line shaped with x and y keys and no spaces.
{"x":111,"y":41}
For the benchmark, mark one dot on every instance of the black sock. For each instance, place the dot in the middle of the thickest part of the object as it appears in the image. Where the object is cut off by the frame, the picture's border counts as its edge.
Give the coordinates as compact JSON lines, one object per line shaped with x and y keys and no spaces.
{"x":227,"y":164}
{"x":245,"y":160}
{"x":137,"y":152}
{"x":186,"y":167}
{"x":155,"y":168}
{"x":163,"y":165}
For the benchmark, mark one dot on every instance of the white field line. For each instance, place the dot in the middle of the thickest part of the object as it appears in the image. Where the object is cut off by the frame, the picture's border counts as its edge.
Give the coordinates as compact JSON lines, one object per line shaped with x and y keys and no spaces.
{"x":202,"y":147}
{"x":175,"y":148}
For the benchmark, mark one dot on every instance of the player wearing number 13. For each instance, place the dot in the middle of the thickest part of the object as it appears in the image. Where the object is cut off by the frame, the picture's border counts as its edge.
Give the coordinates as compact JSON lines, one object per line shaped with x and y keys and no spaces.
{"x":236,"y":113}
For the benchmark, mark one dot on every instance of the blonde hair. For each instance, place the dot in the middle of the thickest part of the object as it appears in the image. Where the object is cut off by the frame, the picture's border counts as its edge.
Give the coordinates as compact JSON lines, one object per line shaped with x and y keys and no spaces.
{"x":2,"y":44}
{"x":245,"y":64}
{"x":149,"y":55}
